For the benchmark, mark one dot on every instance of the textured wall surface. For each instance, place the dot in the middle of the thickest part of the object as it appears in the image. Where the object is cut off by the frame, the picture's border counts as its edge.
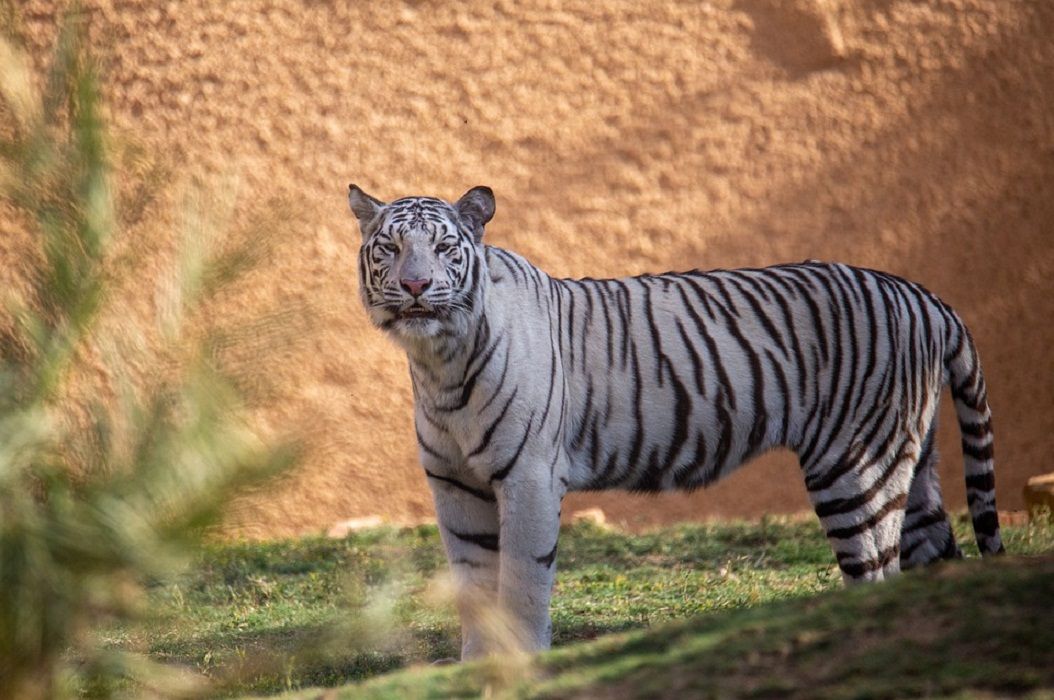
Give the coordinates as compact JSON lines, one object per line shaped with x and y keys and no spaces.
{"x":916,"y":137}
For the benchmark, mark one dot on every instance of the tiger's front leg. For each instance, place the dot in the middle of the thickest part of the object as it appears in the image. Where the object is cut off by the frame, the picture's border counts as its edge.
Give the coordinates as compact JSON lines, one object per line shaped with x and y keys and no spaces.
{"x":468,"y":526}
{"x":530,"y":525}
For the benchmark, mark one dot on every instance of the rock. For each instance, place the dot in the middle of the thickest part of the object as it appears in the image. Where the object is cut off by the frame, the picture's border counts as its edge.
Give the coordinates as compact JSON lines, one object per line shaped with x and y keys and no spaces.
{"x":799,"y":35}
{"x":342,"y":528}
{"x":592,"y":515}
{"x":1039,"y":496}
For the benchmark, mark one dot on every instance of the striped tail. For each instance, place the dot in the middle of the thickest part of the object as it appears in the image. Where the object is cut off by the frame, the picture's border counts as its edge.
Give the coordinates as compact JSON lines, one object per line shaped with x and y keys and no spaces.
{"x":975,"y":422}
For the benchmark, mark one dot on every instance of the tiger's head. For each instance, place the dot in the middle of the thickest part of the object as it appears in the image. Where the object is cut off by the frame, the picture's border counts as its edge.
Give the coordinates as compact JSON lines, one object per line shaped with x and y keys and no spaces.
{"x":421,"y":263}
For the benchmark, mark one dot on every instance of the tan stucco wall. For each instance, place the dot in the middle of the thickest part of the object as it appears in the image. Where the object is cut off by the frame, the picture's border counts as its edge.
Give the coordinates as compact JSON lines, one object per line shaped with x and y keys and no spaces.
{"x":917,"y":137}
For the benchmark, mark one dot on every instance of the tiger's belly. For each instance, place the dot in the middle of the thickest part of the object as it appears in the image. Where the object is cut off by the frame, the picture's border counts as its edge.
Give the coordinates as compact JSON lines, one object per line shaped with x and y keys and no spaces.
{"x":657,"y":431}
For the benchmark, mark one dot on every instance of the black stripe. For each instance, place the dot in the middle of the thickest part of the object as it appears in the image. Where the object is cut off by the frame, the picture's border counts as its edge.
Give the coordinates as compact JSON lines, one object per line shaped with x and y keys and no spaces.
{"x":924,"y":303}
{"x":792,"y":328}
{"x":429,"y":450}
{"x":570,"y":324}
{"x":837,"y":506}
{"x":931,"y":518}
{"x":844,"y":533}
{"x":836,"y":345}
{"x":479,"y":342}
{"x":683,"y":412}
{"x":662,"y":360}
{"x":470,"y":383}
{"x":849,"y":398}
{"x":981,"y":454}
{"x":766,"y":322}
{"x":781,"y":379}
{"x":927,"y":455}
{"x":552,"y":366}
{"x":907,"y":552}
{"x":637,"y":443}
{"x":585,"y":335}
{"x":428,"y":415}
{"x":697,"y":363}
{"x":489,"y":432}
{"x":583,"y":421}
{"x":501,"y":385}
{"x":976,"y":430}
{"x":504,"y":471}
{"x":813,"y":414}
{"x":950,"y":550}
{"x":986,"y":525}
{"x":480,"y":539}
{"x":610,"y":337}
{"x":514,"y":266}
{"x":715,"y":279}
{"x":868,"y":306}
{"x":478,"y":493}
{"x":756,"y":439}
{"x":759,"y":428}
{"x":856,"y":569}
{"x":724,"y":441}
{"x":625,"y":312}
{"x":807,"y":290}
{"x":722,"y":375}
{"x":912,"y":359}
{"x":475,"y":279}
{"x":547,"y":560}
{"x":650,"y":477}
{"x":362,"y":270}
{"x":603,"y":478}
{"x":953,"y":353}
{"x":981,"y":482}
{"x":558,"y":302}
{"x":685,"y":479}
{"x":594,"y":443}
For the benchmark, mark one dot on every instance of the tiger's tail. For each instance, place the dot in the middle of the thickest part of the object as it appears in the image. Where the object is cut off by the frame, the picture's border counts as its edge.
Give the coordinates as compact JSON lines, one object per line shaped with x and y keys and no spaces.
{"x":975,"y":423}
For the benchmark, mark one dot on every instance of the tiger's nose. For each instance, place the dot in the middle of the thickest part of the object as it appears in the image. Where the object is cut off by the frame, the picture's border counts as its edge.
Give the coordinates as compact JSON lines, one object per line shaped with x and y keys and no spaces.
{"x":415,"y":287}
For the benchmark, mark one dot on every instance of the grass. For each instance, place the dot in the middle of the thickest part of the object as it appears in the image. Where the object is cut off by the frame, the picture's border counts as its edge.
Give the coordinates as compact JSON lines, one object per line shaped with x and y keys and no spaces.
{"x":760,"y":606}
{"x":977,"y":629}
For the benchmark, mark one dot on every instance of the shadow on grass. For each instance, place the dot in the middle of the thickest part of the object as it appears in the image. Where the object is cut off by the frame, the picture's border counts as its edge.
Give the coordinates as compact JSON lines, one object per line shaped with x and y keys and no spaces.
{"x":957,"y":629}
{"x":276,"y":659}
{"x":979,"y":626}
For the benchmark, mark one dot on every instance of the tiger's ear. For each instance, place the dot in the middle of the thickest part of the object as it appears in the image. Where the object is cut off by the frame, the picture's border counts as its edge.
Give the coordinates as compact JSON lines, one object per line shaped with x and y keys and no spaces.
{"x":364,"y":207}
{"x":476,"y":208}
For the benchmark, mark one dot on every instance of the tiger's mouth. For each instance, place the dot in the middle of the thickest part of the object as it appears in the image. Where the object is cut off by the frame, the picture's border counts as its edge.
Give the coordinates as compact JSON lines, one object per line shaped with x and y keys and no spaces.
{"x":416,"y":312}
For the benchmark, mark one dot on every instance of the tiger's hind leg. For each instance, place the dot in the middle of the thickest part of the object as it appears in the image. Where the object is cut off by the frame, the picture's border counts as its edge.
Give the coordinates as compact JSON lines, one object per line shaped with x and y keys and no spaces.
{"x":861,"y":506}
{"x":927,"y":534}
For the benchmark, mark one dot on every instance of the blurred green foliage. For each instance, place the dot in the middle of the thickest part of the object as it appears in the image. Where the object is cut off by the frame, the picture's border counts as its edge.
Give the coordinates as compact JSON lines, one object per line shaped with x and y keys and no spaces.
{"x":98,"y":496}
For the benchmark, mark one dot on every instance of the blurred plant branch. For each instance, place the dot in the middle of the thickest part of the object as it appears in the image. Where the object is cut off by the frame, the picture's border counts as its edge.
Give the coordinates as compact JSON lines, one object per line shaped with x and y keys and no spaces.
{"x":97,"y":501}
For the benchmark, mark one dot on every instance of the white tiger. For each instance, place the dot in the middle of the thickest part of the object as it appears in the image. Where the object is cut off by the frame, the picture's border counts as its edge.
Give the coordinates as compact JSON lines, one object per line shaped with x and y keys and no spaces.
{"x":526,"y":387}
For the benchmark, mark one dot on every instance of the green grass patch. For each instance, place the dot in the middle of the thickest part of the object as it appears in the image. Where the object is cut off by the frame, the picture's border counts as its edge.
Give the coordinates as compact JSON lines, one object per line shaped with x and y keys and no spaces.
{"x":271,"y":617}
{"x":965,"y":629}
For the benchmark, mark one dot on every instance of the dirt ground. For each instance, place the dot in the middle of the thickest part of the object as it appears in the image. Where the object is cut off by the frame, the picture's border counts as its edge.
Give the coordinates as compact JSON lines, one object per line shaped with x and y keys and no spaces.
{"x":916,"y":137}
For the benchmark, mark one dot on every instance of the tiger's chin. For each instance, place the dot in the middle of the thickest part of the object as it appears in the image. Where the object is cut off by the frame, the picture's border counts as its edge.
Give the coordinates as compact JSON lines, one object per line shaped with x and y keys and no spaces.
{"x":416,"y":331}
{"x":414,"y":328}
